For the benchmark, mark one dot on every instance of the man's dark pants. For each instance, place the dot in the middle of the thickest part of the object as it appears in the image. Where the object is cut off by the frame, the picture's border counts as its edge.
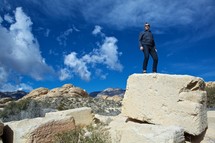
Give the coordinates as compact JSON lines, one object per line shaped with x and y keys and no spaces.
{"x":150,"y":50}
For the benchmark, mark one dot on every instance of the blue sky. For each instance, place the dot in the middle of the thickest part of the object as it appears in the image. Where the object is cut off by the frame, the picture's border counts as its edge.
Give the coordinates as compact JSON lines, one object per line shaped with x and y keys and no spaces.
{"x":94,"y":44}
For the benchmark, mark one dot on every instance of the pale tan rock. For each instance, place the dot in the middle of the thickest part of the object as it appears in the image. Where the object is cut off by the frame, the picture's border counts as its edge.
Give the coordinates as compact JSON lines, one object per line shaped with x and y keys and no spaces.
{"x":82,"y":116}
{"x":210,"y":132}
{"x":76,"y":91}
{"x":209,"y":135}
{"x":36,"y":93}
{"x":37,"y":130}
{"x":43,"y":130}
{"x":210,"y":84}
{"x":5,"y":101}
{"x":103,"y":119}
{"x":67,"y":86}
{"x":167,"y":100}
{"x":115,"y":98}
{"x":123,"y":131}
{"x":66,"y":90}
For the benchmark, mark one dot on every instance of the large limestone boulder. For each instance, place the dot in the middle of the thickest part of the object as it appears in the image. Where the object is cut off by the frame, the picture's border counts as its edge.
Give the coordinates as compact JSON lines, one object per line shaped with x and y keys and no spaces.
{"x":167,"y":100}
{"x":43,"y":130}
{"x":123,"y":131}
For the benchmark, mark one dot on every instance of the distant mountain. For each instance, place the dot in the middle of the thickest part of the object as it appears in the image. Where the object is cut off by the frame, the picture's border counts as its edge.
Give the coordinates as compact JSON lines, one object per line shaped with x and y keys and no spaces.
{"x":95,"y":93}
{"x":15,"y":94}
{"x":109,"y":92}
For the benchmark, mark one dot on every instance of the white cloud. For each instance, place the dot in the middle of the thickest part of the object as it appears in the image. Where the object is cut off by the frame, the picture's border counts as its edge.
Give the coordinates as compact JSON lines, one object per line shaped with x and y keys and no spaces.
{"x":132,"y":13}
{"x":78,"y":66}
{"x":101,"y":74}
{"x":62,"y":39}
{"x":161,"y":14}
{"x":97,"y":30}
{"x":1,"y":20}
{"x":8,"y":87}
{"x":107,"y":55}
{"x":3,"y":75}
{"x":8,"y":18}
{"x":110,"y":54}
{"x":65,"y":74}
{"x":76,"y":29}
{"x":20,"y":50}
{"x":43,"y":31}
{"x":47,"y":32}
{"x":121,"y":14}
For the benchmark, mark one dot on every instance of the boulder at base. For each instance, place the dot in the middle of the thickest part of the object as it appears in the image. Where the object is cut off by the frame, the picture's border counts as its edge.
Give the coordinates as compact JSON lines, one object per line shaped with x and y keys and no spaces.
{"x":133,"y":132}
{"x":43,"y":130}
{"x":167,"y":100}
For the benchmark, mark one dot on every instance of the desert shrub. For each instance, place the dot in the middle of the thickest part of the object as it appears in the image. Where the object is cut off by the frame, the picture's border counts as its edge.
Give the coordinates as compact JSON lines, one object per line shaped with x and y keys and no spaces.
{"x":61,"y":107}
{"x":210,"y":97}
{"x":12,"y":109}
{"x":22,"y":109}
{"x":89,"y":134}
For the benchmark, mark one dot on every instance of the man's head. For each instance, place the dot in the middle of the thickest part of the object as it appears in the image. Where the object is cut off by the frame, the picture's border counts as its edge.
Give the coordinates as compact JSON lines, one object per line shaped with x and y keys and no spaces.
{"x":147,"y":26}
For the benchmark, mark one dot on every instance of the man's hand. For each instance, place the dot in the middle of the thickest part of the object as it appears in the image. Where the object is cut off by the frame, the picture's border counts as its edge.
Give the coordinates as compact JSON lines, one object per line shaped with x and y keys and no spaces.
{"x":155,"y":49}
{"x":141,"y":48}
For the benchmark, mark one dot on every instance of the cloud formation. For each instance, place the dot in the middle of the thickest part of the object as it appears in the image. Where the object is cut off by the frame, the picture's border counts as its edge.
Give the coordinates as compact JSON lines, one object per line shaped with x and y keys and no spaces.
{"x":107,"y":55}
{"x":20,"y":51}
{"x":97,"y":30}
{"x":8,"y":18}
{"x":129,"y":13}
{"x":11,"y":87}
{"x":62,"y":39}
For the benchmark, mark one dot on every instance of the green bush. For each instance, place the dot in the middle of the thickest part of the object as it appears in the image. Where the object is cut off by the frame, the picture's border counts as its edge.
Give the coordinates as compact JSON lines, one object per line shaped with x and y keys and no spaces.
{"x":210,"y":97}
{"x":89,"y":134}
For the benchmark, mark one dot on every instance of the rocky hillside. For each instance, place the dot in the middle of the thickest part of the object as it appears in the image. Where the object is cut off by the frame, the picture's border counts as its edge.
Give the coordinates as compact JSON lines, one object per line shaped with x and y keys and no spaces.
{"x":41,"y":101}
{"x":108,"y":92}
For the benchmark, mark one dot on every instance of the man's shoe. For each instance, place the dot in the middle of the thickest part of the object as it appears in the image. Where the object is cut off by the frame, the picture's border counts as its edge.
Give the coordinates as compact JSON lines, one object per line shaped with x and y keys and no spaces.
{"x":144,"y":71}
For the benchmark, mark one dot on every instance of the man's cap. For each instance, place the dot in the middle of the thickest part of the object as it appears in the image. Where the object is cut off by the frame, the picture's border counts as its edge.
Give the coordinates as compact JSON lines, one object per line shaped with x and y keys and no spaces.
{"x":147,"y":24}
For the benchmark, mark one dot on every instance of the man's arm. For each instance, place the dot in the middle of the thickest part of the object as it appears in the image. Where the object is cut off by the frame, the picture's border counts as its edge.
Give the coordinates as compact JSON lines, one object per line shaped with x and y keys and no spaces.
{"x":140,"y":39}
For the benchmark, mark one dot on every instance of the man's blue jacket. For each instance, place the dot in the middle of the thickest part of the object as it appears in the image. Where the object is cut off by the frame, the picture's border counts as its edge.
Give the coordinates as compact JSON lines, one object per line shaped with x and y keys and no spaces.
{"x":146,"y":38}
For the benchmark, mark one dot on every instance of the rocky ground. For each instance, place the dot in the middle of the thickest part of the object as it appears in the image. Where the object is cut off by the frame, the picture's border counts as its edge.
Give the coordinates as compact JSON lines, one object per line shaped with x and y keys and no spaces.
{"x":31,"y":108}
{"x":104,"y":104}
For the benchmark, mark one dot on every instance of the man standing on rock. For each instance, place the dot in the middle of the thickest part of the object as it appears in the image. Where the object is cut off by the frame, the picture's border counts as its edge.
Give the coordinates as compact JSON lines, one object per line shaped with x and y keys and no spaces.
{"x":147,"y":45}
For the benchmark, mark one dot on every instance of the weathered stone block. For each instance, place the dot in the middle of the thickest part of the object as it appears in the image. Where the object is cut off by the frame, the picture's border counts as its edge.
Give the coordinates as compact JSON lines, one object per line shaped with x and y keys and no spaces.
{"x":167,"y":100}
{"x":131,"y":132}
{"x":43,"y":130}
